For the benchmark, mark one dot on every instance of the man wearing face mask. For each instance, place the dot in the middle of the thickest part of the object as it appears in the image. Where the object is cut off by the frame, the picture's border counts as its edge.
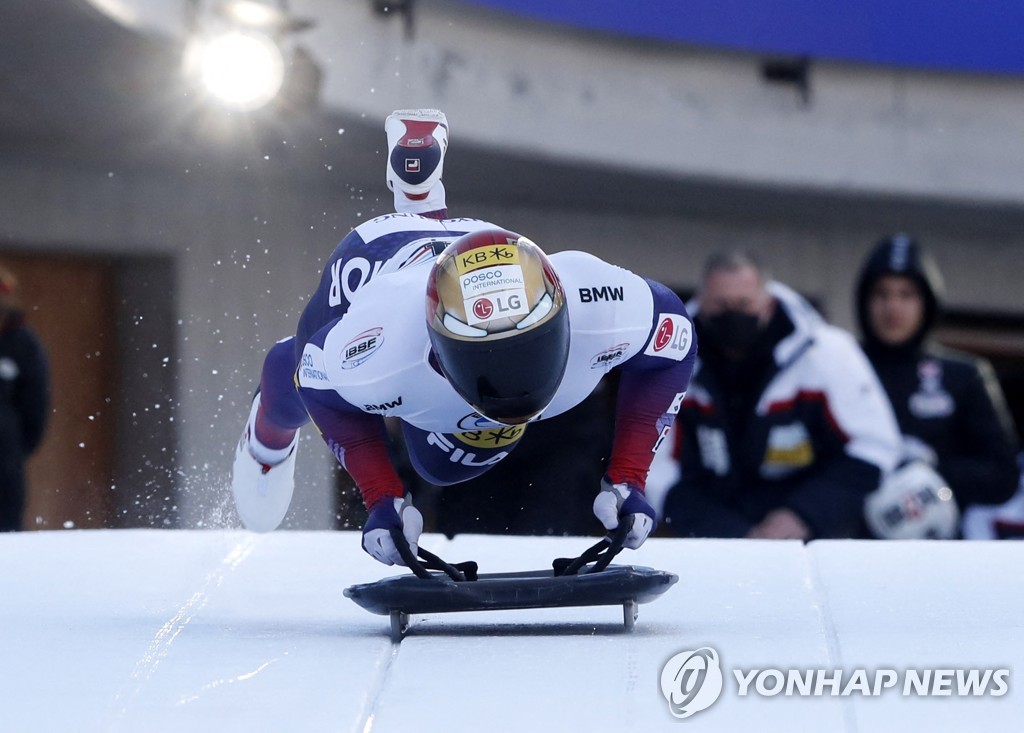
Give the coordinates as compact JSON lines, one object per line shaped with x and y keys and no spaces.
{"x":785,"y":428}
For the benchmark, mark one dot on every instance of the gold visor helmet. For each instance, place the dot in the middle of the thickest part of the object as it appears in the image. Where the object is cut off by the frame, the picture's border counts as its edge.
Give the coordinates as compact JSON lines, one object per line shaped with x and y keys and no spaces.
{"x":498,"y":324}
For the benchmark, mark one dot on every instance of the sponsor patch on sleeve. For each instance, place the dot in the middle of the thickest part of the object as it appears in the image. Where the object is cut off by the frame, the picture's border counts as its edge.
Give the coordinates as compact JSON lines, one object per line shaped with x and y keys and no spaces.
{"x":361,"y":348}
{"x":312,"y":371}
{"x":609,"y":357}
{"x":672,"y":337}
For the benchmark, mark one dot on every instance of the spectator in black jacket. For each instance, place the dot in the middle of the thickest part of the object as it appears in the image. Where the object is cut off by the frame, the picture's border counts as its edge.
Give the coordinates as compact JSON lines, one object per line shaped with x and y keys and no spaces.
{"x":24,"y":401}
{"x":785,"y":428}
{"x":949,"y":406}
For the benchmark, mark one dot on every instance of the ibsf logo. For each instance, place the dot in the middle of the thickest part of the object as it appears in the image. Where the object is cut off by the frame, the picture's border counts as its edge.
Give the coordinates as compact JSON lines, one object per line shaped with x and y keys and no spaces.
{"x":361,"y":348}
{"x":691,"y":681}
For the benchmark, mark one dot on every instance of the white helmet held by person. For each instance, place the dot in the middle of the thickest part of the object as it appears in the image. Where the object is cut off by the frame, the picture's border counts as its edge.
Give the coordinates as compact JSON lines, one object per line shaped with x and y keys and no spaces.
{"x":913,"y":503}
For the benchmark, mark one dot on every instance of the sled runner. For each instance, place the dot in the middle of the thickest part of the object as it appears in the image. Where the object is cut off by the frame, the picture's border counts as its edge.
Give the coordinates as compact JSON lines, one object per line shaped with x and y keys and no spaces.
{"x":438,"y":587}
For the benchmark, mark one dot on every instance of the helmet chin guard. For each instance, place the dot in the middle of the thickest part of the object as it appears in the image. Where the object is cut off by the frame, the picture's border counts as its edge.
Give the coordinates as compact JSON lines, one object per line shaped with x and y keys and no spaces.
{"x":498,"y":324}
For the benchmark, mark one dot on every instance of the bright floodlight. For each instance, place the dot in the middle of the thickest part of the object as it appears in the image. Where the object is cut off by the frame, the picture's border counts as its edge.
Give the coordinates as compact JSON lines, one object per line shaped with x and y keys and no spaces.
{"x":243,"y":70}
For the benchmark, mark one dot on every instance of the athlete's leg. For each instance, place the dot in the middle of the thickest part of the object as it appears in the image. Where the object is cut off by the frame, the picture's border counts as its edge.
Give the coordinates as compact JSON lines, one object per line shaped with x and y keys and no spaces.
{"x":417,"y":141}
{"x":263,"y":478}
{"x":280,"y":413}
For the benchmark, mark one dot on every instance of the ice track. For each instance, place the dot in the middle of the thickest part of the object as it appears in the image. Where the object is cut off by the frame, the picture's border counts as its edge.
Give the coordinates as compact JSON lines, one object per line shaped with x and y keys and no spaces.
{"x":139,"y":630}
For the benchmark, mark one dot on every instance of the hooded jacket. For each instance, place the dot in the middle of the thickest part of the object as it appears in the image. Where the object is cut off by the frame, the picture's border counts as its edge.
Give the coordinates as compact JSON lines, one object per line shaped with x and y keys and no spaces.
{"x":949,"y":401}
{"x":814,"y":437}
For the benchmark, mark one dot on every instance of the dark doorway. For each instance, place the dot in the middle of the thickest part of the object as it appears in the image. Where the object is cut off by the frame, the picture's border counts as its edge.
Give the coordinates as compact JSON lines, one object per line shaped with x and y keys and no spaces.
{"x":109,"y":457}
{"x":70,"y":304}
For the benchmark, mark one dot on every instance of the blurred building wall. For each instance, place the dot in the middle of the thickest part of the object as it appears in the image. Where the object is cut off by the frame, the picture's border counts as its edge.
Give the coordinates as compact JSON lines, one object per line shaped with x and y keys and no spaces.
{"x":546,"y":90}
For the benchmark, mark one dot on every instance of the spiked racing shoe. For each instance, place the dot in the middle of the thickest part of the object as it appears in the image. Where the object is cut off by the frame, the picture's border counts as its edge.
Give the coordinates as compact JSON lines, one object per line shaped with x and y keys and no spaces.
{"x":262,"y":491}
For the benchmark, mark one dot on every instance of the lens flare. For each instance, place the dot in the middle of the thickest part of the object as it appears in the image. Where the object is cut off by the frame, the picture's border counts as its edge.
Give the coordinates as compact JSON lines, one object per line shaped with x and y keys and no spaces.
{"x":243,"y":70}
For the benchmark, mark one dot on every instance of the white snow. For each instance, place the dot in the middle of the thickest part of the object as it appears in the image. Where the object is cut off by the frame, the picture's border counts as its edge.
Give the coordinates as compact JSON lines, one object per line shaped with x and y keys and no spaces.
{"x":150,"y":630}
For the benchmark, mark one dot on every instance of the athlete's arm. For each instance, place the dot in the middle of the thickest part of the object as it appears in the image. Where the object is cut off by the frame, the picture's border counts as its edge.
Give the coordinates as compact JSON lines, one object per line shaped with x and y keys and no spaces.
{"x":359,"y":441}
{"x":651,"y":389}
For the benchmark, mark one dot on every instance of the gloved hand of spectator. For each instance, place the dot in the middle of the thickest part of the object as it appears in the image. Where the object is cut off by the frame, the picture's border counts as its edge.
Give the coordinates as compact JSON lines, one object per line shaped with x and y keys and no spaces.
{"x":621,"y":503}
{"x":385,"y":516}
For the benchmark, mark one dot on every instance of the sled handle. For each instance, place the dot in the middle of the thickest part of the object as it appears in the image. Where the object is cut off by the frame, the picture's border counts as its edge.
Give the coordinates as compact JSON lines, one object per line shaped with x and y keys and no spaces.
{"x":600,"y":553}
{"x":459,"y":572}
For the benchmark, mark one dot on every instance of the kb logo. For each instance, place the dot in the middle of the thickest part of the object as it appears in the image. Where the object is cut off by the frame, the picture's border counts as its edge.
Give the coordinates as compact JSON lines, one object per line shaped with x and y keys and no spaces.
{"x":691,"y":681}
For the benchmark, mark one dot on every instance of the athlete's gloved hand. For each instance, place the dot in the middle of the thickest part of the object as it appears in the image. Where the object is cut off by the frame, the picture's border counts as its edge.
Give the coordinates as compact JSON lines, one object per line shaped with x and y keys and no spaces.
{"x":387,"y":515}
{"x":621,"y":503}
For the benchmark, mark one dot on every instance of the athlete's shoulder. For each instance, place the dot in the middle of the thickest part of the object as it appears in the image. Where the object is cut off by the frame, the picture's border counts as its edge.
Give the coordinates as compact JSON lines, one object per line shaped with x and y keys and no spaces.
{"x":582,"y":269}
{"x":609,"y":299}
{"x":589,"y":282}
{"x":574,"y":259}
{"x":382,"y":334}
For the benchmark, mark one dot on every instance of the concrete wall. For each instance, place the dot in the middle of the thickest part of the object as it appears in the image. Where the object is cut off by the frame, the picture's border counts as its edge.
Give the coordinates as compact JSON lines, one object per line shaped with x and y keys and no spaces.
{"x":524,"y":86}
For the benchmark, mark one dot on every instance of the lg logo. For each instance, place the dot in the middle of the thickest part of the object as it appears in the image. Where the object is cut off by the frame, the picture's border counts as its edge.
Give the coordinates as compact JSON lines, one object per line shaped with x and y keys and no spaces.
{"x":483,"y":309}
{"x":691,"y":681}
{"x":502,"y":305}
{"x":671,"y":338}
{"x":663,"y":336}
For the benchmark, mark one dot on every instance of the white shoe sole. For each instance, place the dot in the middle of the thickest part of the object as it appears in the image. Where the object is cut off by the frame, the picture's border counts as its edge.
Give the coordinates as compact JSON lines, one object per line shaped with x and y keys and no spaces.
{"x":262,"y":497}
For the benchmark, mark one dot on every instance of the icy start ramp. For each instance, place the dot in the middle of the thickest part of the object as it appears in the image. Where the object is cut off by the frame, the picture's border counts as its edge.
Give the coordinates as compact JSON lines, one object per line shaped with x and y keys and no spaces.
{"x":139,"y":630}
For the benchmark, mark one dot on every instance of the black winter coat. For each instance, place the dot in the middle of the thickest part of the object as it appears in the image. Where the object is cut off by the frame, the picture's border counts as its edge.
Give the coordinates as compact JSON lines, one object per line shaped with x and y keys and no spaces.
{"x":952,"y":402}
{"x":24,"y":406}
{"x":948,"y":400}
